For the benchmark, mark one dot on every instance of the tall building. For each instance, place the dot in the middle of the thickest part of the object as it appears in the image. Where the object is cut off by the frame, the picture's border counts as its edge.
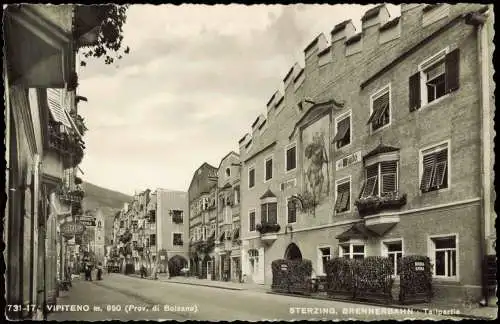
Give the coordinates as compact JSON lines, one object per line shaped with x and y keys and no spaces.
{"x":172,"y":230}
{"x":202,"y":197}
{"x":380,"y":145}
{"x":227,"y":249}
{"x":43,"y":146}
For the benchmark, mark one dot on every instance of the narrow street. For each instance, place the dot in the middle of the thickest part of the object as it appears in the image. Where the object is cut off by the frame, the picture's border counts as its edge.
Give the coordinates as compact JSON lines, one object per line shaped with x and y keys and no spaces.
{"x":116,"y":293}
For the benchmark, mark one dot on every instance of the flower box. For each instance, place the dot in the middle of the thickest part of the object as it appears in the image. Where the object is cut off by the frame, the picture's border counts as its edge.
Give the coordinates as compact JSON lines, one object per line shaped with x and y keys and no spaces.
{"x":264,"y":228}
{"x":374,"y":204}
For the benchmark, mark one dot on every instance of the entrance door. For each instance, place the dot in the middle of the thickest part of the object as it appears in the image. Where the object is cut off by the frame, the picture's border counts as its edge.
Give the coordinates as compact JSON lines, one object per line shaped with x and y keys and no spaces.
{"x":209,"y":270}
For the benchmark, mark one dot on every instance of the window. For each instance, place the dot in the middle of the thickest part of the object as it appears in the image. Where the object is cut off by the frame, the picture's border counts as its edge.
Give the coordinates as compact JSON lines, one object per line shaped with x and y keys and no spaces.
{"x":228,"y":172}
{"x":121,"y":224}
{"x":325,"y":255}
{"x":387,"y":173}
{"x":352,"y":251}
{"x":269,"y":213}
{"x":380,"y":109}
{"x":291,"y":211}
{"x":343,"y":131}
{"x":236,"y":195}
{"x":99,"y":224}
{"x":253,"y":258}
{"x":291,"y":157}
{"x":394,"y":251}
{"x":177,"y":239}
{"x":251,"y":220}
{"x":437,"y":76}
{"x":268,"y":165}
{"x":444,"y":256}
{"x":228,"y":215}
{"x":251,"y":177}
{"x":343,"y":191}
{"x":177,"y":216}
{"x":434,"y":169}
{"x":152,"y":216}
{"x":152,"y":239}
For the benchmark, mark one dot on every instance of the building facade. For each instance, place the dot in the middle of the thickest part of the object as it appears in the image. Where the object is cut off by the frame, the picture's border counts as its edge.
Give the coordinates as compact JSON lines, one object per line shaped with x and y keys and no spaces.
{"x":202,"y":197}
{"x":227,"y":248}
{"x":172,"y":230}
{"x":394,"y":158}
{"x":43,"y":147}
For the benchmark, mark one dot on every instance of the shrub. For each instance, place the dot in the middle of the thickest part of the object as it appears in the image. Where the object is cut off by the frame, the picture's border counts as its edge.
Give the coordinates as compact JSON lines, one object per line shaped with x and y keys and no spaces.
{"x":291,"y":275}
{"x":415,"y":281}
{"x":373,"y":276}
{"x":340,"y":276}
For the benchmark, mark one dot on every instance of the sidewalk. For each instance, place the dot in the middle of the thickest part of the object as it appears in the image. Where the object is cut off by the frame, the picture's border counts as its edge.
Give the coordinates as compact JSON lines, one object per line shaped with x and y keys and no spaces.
{"x":453,"y":309}
{"x":214,"y":283}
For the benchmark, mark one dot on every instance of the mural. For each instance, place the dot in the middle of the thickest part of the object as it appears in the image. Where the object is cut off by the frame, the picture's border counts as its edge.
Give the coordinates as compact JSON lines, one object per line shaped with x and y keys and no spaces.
{"x":315,"y":139}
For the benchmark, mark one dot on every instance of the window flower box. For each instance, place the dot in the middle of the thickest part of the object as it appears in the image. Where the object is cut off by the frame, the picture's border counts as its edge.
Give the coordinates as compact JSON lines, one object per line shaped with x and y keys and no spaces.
{"x":264,"y":228}
{"x":374,"y":204}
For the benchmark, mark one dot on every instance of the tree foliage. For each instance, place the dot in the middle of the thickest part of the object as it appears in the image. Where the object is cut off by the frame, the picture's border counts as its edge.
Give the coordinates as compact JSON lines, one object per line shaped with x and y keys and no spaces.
{"x":110,"y":37}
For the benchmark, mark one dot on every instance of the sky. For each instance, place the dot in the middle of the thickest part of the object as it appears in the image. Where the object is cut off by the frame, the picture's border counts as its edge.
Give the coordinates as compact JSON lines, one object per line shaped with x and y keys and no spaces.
{"x":196,"y":78}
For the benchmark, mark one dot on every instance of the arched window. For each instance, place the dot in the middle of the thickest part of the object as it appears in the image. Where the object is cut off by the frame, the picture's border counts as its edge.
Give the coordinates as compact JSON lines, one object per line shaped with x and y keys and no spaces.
{"x":228,"y":172}
{"x":253,"y":258}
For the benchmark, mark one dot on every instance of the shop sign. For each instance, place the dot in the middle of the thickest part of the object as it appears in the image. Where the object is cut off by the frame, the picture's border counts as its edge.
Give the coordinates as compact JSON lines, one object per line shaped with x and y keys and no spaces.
{"x":72,"y":228}
{"x":348,"y":160}
{"x":419,"y":266}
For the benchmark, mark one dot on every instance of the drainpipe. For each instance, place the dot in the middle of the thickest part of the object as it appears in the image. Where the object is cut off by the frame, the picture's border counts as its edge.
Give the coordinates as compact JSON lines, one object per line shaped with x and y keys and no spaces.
{"x":479,"y":20}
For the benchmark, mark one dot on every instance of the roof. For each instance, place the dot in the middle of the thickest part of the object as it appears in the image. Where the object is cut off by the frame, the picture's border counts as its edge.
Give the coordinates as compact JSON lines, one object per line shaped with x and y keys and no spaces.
{"x":380,"y":149}
{"x":228,"y":155}
{"x":390,"y":24}
{"x":373,"y":12}
{"x":356,"y":231}
{"x":339,"y":27}
{"x":268,"y":194}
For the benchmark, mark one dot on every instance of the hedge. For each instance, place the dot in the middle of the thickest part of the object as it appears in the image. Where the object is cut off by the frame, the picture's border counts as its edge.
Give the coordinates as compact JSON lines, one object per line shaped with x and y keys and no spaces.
{"x":291,"y":276}
{"x":369,"y":278}
{"x":415,"y":281}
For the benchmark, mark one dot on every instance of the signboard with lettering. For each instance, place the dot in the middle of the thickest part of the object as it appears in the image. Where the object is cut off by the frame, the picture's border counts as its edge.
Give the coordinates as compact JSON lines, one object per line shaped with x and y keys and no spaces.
{"x":87,"y":222}
{"x":419,"y":266}
{"x":284,"y":267}
{"x":348,"y":160}
{"x":72,"y":228}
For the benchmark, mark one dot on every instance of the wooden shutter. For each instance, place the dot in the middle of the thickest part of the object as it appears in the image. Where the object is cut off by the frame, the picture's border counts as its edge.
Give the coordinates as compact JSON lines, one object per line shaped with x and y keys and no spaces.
{"x":379,"y":106}
{"x":272,"y":216}
{"x":263,"y":213}
{"x":428,"y":166}
{"x":342,"y":129}
{"x":252,"y":221}
{"x":290,"y":158}
{"x":389,"y":176}
{"x":362,"y":189}
{"x":452,"y":67}
{"x":340,"y":196}
{"x":292,"y":211}
{"x":414,"y":84}
{"x":369,"y":186}
{"x":439,"y":174}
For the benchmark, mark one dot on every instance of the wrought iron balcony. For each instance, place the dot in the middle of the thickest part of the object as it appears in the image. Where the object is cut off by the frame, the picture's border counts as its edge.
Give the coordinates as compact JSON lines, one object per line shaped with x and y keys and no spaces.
{"x":264,"y":228}
{"x":375,"y":204}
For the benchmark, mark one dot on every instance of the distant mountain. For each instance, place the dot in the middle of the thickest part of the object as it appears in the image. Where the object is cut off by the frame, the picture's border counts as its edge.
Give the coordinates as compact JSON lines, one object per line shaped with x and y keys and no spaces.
{"x":99,"y":197}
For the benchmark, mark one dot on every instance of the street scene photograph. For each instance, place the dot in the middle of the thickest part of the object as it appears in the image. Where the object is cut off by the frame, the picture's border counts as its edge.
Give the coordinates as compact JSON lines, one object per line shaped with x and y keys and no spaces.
{"x":192,"y":162}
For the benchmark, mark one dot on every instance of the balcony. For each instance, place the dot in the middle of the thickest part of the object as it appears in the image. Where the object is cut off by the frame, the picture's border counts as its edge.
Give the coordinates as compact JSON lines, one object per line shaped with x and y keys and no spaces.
{"x":69,"y":146}
{"x":372,"y":205}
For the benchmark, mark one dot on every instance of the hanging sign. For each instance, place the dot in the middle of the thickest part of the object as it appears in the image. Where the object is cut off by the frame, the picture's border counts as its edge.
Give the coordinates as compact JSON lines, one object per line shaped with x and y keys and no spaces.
{"x":72,"y":228}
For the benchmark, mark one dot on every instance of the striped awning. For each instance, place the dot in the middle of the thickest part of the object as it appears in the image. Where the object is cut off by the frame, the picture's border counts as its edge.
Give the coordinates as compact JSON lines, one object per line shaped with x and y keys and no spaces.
{"x":56,"y":106}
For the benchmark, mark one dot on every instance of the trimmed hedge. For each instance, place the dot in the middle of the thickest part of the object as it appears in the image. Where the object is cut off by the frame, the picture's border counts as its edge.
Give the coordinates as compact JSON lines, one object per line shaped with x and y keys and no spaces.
{"x":415,"y":281}
{"x":293,"y":276}
{"x":369,"y":278}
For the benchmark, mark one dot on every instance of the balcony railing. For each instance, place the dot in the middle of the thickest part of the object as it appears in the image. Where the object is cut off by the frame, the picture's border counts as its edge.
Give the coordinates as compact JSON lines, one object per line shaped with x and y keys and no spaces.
{"x":375,"y":204}
{"x":264,"y":228}
{"x":68,"y":145}
{"x":70,"y":195}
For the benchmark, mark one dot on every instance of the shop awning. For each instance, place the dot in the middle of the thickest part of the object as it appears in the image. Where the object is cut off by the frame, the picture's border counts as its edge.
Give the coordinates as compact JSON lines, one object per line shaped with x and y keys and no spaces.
{"x":357,"y":231}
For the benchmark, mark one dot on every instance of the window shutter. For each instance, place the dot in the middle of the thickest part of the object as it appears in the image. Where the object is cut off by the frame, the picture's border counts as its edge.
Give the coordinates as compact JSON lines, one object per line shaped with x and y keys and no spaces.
{"x":439,"y":174}
{"x":362,"y":189}
{"x":344,"y":203}
{"x":452,"y":66}
{"x":414,"y":91}
{"x":389,"y":176}
{"x":263,"y":213}
{"x":428,"y":164}
{"x":272,"y":216}
{"x":369,"y":186}
{"x":340,"y":196}
{"x":379,"y":106}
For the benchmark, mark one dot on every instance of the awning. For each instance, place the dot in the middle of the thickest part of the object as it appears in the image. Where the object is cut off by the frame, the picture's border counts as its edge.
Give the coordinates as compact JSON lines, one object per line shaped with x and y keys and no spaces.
{"x":357,"y":231}
{"x":57,"y":110}
{"x":342,"y":131}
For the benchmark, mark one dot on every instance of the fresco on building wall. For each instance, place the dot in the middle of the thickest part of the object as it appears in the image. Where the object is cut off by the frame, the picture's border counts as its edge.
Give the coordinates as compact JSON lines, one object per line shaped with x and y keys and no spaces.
{"x":315,"y":139}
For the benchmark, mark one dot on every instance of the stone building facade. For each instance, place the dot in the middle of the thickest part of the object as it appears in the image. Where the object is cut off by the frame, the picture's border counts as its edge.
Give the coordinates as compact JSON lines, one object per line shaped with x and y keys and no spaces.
{"x":380,"y":145}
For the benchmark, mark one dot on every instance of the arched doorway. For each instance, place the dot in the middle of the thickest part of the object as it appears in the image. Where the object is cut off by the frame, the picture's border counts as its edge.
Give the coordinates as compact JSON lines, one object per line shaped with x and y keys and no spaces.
{"x":293,"y":252}
{"x":176,"y":264}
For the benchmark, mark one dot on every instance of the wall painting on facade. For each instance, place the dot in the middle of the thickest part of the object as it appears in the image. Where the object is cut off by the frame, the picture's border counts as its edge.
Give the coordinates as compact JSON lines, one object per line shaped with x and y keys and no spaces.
{"x":315,"y":139}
